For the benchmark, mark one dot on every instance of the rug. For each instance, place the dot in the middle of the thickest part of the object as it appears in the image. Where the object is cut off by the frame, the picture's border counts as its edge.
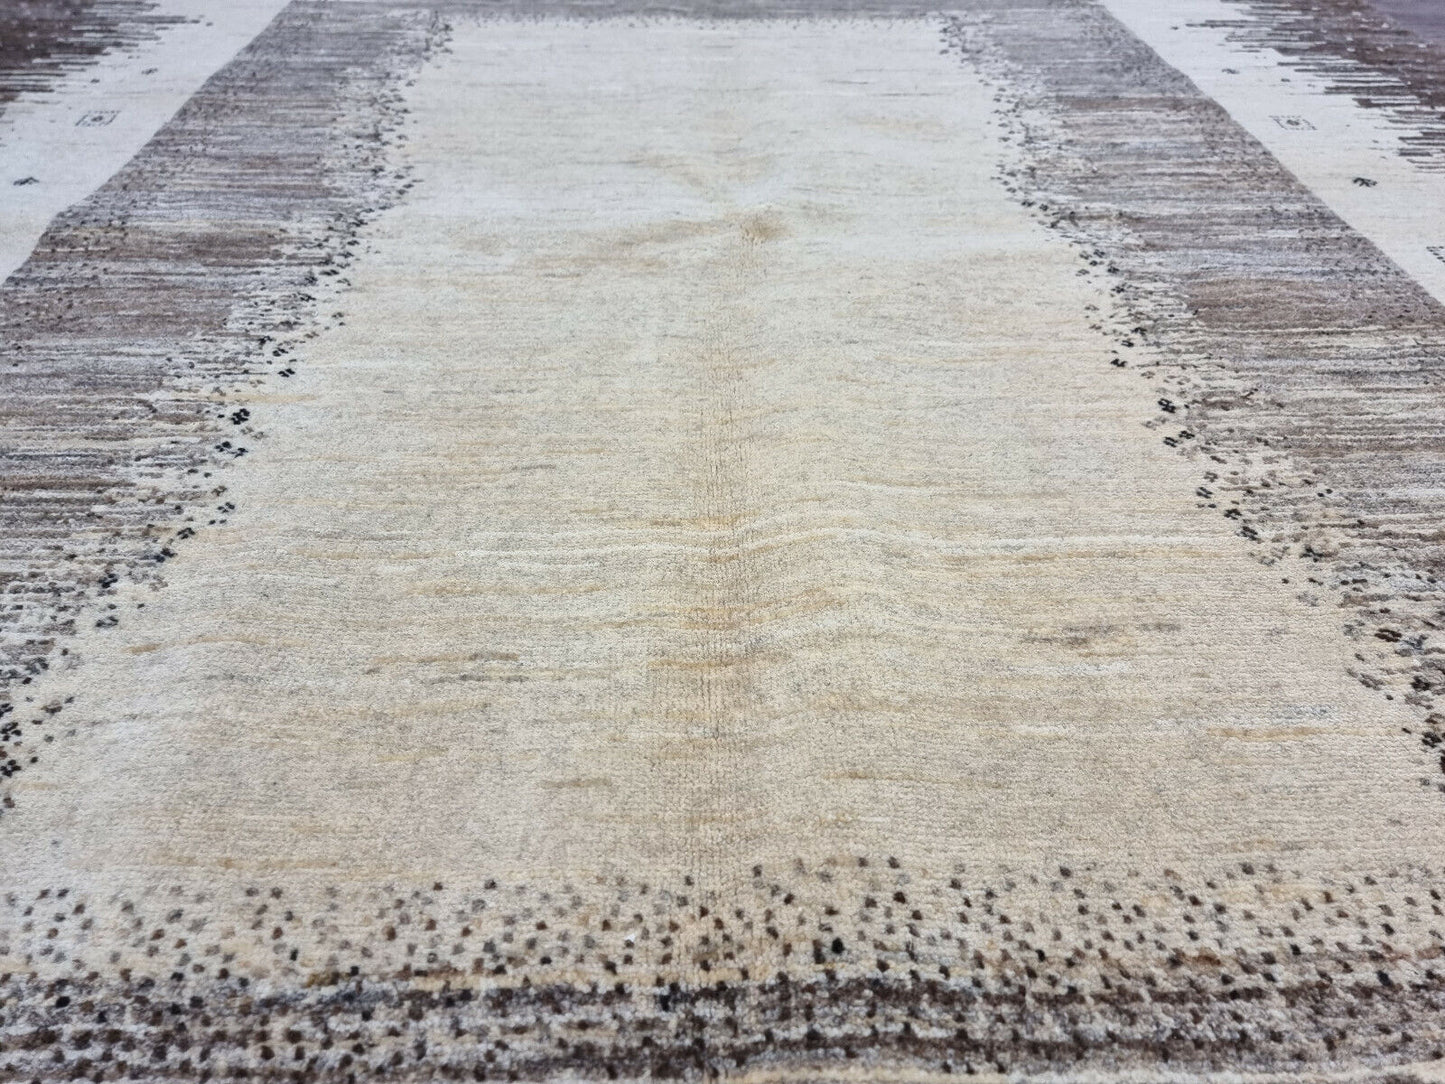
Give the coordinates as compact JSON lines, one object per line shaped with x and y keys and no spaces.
{"x":777,"y":540}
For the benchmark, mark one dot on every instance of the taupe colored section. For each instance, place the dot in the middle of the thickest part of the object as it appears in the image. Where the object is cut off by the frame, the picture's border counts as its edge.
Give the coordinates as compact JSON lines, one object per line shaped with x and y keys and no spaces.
{"x":1422,"y":17}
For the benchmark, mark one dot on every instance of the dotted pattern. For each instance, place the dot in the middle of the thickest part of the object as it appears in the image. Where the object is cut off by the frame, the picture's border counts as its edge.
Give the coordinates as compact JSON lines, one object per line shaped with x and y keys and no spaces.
{"x":857,"y":960}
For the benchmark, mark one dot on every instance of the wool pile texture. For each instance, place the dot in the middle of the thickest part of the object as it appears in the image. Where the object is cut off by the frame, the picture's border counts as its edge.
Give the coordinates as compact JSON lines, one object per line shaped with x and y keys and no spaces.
{"x":765,"y":540}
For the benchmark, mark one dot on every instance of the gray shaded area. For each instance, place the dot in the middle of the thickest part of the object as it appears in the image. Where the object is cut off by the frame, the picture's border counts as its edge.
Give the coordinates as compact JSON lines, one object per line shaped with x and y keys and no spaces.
{"x":1423,"y":17}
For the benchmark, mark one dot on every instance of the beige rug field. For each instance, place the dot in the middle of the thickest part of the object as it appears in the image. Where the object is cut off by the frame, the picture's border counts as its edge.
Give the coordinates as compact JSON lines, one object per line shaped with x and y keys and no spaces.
{"x":585,"y":541}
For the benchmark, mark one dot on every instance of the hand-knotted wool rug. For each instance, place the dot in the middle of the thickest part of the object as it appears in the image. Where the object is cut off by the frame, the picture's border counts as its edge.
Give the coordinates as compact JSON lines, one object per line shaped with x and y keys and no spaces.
{"x":816,"y":540}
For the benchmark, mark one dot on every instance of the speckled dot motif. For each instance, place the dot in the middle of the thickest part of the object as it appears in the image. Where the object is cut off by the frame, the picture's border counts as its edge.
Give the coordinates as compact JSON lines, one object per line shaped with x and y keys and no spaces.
{"x":853,"y":963}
